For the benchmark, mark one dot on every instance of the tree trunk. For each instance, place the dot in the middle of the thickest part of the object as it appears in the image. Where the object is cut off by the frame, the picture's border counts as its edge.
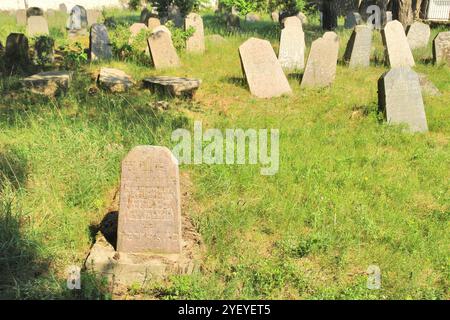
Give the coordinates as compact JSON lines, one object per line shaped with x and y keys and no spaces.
{"x":329,"y":12}
{"x":402,"y":10}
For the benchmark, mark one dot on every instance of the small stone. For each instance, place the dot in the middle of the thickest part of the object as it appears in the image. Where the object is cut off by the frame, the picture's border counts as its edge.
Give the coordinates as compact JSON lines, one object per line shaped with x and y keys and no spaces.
{"x":114,"y":80}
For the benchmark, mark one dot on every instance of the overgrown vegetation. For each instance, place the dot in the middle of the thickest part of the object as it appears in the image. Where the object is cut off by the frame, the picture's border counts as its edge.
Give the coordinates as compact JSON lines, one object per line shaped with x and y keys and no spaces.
{"x":351,"y":191}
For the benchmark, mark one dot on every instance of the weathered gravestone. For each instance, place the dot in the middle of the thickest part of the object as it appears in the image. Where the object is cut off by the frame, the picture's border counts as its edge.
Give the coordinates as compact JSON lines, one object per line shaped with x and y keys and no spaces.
{"x":150,"y":205}
{"x":77,"y":20}
{"x":175,"y":16}
{"x":34,"y":11}
{"x":44,"y":50}
{"x":320,"y":69}
{"x":262,"y":69}
{"x":418,"y":35}
{"x":136,"y":28}
{"x":441,"y":48}
{"x":400,"y":98}
{"x":398,"y":52}
{"x":93,"y":16}
{"x":21,"y":17}
{"x":37,"y":25}
{"x":359,"y":47}
{"x":292,"y":45}
{"x":153,"y":23}
{"x":99,"y":44}
{"x":114,"y":80}
{"x":195,"y":43}
{"x":48,"y":83}
{"x":62,"y":7}
{"x":16,"y":49}
{"x":173,"y":86}
{"x":162,"y":51}
{"x":352,"y":19}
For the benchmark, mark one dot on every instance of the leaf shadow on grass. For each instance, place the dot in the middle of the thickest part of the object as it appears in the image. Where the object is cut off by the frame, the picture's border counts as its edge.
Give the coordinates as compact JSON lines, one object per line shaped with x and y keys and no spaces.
{"x":298,"y":76}
{"x":108,"y":228}
{"x":237,"y":81}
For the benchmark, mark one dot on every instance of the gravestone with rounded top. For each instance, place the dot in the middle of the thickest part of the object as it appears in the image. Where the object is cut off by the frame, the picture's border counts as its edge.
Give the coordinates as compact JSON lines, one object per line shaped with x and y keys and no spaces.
{"x":150,"y":204}
{"x":99,"y":44}
{"x":21,"y":17}
{"x":292,"y":45}
{"x":400,"y":98}
{"x":16,"y":49}
{"x":195,"y":43}
{"x":398,"y":52}
{"x":37,"y":25}
{"x":77,"y":19}
{"x":62,"y":7}
{"x":441,"y":48}
{"x":418,"y":35}
{"x":320,"y":69}
{"x":162,"y":50}
{"x":359,"y":47}
{"x":153,"y":23}
{"x":34,"y":11}
{"x":263,"y":71}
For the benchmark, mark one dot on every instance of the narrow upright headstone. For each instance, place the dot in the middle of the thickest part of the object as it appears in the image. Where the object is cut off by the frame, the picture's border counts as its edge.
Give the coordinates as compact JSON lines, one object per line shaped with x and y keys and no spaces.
{"x":63,"y":7}
{"x":418,"y":35}
{"x":21,"y":17}
{"x":16,"y":49}
{"x":162,"y":50}
{"x":396,"y":45}
{"x":34,"y":11}
{"x":320,"y":69}
{"x":175,"y":16}
{"x":359,"y":47}
{"x":292,"y":45}
{"x":99,"y":44}
{"x":352,"y":19}
{"x":150,"y":203}
{"x":400,"y":98}
{"x":77,"y":19}
{"x":195,"y":43}
{"x":441,"y":48}
{"x":37,"y":25}
{"x":263,"y":71}
{"x":93,"y":16}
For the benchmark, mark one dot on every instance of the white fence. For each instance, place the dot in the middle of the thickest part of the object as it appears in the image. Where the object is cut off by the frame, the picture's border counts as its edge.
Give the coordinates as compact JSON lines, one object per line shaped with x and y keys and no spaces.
{"x":438,"y":10}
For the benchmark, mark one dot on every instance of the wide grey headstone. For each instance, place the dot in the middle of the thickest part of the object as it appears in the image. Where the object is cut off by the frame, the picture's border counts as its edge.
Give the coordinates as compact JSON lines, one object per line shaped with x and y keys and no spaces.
{"x":352,"y":19}
{"x":263,"y":71}
{"x":37,"y":25}
{"x":195,"y":43}
{"x":359,"y":47}
{"x":320,"y":69}
{"x":99,"y":43}
{"x":173,"y":86}
{"x":441,"y":48}
{"x":292,"y":45}
{"x":398,"y":52}
{"x":77,"y":19}
{"x":150,"y":203}
{"x":418,"y":35}
{"x":400,"y":98}
{"x":162,"y":50}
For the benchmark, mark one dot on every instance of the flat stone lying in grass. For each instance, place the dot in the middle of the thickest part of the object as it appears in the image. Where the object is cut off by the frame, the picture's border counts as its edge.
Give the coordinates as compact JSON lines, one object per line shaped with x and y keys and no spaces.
{"x":263,"y":71}
{"x":398,"y":52}
{"x":320,"y":69}
{"x":441,"y":48}
{"x":359,"y":47}
{"x":428,"y":87}
{"x":173,"y":86}
{"x":162,"y":51}
{"x":37,"y":25}
{"x":292,"y":45}
{"x":195,"y":43}
{"x":418,"y":35}
{"x":400,"y":98}
{"x":114,"y":80}
{"x":48,"y":83}
{"x":21,"y":17}
{"x":99,"y":44}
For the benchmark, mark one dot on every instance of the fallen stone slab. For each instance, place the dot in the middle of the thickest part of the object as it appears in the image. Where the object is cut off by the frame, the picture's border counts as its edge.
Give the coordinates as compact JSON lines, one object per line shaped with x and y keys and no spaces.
{"x":114,"y":80}
{"x":173,"y":86}
{"x":428,"y":87}
{"x":48,"y":83}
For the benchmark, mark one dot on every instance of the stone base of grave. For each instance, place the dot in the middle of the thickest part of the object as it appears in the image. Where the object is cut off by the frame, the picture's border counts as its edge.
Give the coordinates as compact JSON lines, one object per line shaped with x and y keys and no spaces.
{"x":114,"y":80}
{"x":173,"y":86}
{"x":48,"y":83}
{"x":127,"y":268}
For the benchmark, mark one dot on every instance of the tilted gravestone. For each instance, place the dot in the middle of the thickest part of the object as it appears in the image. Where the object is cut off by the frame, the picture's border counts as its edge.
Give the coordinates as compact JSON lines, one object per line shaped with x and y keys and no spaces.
{"x":398,"y":52}
{"x":77,"y":19}
{"x":21,"y":17}
{"x":400,"y":98}
{"x":320,"y":69}
{"x":263,"y":71}
{"x":114,"y":80}
{"x":150,"y":204}
{"x":34,"y":11}
{"x":162,"y":51}
{"x":352,"y":19}
{"x":37,"y":25}
{"x":359,"y":47}
{"x":99,"y":44}
{"x":93,"y":16}
{"x":292,"y":45}
{"x":418,"y":35}
{"x":195,"y":43}
{"x":441,"y":48}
